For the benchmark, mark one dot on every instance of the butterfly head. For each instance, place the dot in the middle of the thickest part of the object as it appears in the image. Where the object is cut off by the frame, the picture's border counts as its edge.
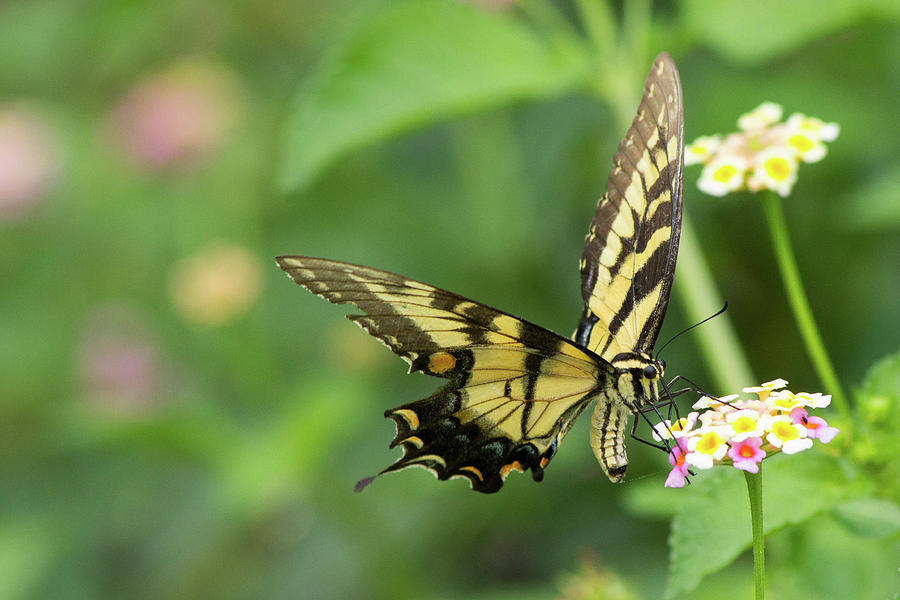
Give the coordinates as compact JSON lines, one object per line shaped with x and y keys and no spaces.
{"x":639,"y":373}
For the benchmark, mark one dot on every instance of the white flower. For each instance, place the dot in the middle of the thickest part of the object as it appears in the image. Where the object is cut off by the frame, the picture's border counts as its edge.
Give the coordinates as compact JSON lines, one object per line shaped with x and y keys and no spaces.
{"x":764,"y":155}
{"x":808,"y":150}
{"x":762,"y":116}
{"x":725,"y":173}
{"x":818,"y":129}
{"x":816,"y":400}
{"x":705,"y":451}
{"x":669,"y":429}
{"x":744,"y":423}
{"x":713,"y":402}
{"x":701,"y":149}
{"x":790,"y":437}
{"x":785,"y":401}
{"x":764,"y":389}
{"x":776,"y":169}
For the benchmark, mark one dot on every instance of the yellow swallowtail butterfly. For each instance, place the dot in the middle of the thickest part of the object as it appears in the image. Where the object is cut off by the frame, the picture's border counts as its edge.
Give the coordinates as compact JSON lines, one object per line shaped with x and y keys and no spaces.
{"x":514,"y":388}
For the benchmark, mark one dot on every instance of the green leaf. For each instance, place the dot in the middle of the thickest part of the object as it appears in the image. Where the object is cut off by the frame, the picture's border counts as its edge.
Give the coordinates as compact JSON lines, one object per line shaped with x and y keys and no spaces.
{"x":878,"y":400}
{"x":754,"y":32}
{"x":877,"y":441}
{"x":712,"y":527}
{"x":825,"y":560}
{"x":870,"y":517}
{"x":413,"y":63}
{"x":883,"y":379}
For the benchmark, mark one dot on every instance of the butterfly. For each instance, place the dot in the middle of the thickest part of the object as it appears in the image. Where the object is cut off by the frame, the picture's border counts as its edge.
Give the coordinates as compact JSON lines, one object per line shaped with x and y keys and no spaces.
{"x":514,"y":389}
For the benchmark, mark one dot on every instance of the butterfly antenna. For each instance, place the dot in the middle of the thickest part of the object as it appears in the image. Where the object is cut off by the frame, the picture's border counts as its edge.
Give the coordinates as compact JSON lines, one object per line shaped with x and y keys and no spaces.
{"x":683,"y":331}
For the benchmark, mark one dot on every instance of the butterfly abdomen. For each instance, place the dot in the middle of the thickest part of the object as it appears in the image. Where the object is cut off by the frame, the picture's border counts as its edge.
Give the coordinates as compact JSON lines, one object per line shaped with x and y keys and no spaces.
{"x":608,"y":424}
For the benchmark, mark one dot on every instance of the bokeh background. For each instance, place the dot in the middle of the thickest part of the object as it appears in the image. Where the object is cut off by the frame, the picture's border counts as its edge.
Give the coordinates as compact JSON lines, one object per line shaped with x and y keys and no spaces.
{"x":178,"y":420}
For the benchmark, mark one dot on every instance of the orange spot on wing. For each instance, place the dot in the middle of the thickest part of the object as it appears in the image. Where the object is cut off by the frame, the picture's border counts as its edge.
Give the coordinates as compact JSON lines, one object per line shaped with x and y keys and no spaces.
{"x":544,"y":462}
{"x":441,"y":362}
{"x":505,"y":469}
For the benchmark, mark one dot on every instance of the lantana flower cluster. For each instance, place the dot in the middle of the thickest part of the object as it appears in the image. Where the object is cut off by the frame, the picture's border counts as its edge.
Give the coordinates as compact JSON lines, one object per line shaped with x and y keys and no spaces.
{"x":742,"y":432}
{"x":764,"y":154}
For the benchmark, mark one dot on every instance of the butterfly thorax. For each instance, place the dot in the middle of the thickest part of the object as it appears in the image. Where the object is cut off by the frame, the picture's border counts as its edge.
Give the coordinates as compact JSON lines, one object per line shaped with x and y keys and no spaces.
{"x":636,"y":376}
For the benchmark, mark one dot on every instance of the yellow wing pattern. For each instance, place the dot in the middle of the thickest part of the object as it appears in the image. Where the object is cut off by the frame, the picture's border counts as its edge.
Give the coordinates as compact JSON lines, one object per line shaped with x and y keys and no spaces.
{"x":514,"y":388}
{"x":631,"y":247}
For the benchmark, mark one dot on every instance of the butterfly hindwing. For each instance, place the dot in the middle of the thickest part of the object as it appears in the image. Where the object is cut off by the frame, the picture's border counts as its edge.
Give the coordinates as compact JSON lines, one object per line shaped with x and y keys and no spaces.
{"x":514,"y":388}
{"x":631,"y":247}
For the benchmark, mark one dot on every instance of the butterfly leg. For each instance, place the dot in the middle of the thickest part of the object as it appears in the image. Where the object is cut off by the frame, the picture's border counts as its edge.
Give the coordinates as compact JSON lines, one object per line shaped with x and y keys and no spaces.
{"x":692,"y":388}
{"x":650,"y":408}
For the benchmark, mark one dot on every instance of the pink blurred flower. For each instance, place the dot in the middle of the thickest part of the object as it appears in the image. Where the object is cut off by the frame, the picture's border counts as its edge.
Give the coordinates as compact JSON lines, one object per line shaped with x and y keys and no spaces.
{"x":29,"y":160}
{"x":177,"y":117}
{"x":119,"y":361}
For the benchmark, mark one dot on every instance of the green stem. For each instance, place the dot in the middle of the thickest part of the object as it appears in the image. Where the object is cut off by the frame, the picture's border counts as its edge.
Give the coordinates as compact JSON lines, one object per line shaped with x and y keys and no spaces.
{"x":548,"y":18}
{"x":600,"y":23}
{"x":793,"y":286}
{"x":717,"y":338}
{"x":754,"y":490}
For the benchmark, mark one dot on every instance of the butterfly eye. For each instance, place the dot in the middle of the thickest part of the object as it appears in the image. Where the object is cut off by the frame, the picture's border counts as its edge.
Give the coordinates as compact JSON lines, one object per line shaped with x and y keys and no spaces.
{"x":650,"y":372}
{"x":662,"y":364}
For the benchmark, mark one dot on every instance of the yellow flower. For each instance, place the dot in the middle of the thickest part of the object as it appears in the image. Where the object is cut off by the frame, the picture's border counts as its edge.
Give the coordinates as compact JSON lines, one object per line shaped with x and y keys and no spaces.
{"x":216,"y":284}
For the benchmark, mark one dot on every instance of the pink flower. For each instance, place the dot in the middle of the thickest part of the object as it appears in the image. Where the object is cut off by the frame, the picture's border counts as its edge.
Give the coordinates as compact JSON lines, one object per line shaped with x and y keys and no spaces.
{"x":816,"y":427}
{"x":798,"y":415}
{"x":29,"y":160}
{"x":178,"y":117}
{"x":678,"y":474}
{"x":740,"y":432}
{"x":747,"y":454}
{"x":121,"y":367}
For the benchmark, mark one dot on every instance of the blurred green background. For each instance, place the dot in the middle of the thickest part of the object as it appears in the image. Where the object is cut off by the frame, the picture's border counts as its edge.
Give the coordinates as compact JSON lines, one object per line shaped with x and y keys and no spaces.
{"x":178,"y":420}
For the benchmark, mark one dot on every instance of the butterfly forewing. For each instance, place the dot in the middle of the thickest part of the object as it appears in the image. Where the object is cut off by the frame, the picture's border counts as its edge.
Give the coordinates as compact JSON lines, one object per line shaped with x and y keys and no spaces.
{"x":631,"y":247}
{"x":514,"y":388}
